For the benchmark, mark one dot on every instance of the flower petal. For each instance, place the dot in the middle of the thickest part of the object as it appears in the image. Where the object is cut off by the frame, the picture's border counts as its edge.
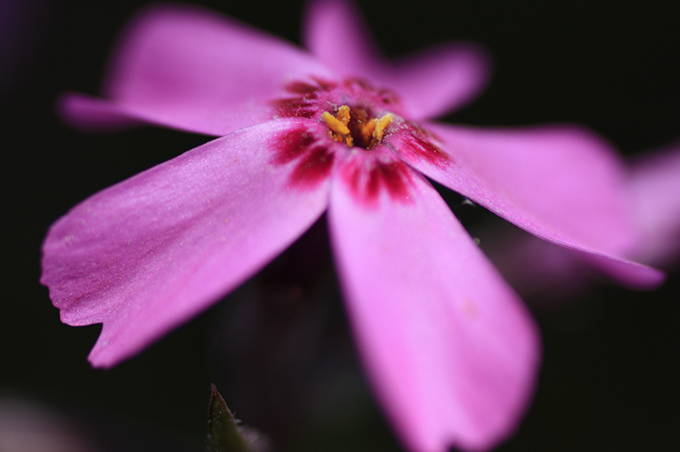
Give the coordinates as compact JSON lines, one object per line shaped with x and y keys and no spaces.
{"x":429,"y":84}
{"x":562,"y":184}
{"x":193,"y":70}
{"x":94,"y":114}
{"x":655,"y":196}
{"x":149,"y":253}
{"x":625,"y":272}
{"x":440,"y":79}
{"x":451,"y":351}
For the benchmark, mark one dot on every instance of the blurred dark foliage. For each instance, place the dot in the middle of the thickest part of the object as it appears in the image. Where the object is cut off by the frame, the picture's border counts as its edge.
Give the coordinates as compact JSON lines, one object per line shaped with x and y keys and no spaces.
{"x":279,"y":347}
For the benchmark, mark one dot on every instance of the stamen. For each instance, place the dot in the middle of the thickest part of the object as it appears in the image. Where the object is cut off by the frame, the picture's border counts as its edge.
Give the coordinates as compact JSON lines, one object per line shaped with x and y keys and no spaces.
{"x":381,"y":126}
{"x":369,"y":128}
{"x":364,"y":131}
{"x":334,"y":124}
{"x":343,"y":114}
{"x":350,"y":127}
{"x":339,"y":125}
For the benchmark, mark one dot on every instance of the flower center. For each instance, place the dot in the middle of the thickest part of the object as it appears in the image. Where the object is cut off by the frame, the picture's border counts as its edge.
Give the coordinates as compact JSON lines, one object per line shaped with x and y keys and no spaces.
{"x":356,"y":127}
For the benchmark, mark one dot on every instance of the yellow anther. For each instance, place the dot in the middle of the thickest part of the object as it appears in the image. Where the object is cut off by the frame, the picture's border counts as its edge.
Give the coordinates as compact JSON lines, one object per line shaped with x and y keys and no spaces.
{"x":369,"y":128}
{"x":364,"y":132}
{"x":343,"y":114}
{"x":381,"y":125}
{"x":335,"y":124}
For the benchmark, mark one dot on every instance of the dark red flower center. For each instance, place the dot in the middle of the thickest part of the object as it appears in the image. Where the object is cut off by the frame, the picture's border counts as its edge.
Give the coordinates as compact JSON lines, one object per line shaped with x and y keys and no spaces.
{"x":351,"y":114}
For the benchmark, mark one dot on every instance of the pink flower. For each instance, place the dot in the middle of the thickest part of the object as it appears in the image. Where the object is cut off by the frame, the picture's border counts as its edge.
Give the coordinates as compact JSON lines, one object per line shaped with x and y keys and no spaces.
{"x":451,"y":351}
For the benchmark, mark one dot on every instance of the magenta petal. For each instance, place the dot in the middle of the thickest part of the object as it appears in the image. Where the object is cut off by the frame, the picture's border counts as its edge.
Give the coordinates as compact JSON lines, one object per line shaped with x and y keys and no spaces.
{"x":334,"y":31}
{"x":449,"y":348}
{"x":429,"y":84}
{"x":93,"y":114}
{"x":562,"y":184}
{"x":440,"y":79}
{"x":655,"y":196}
{"x":625,"y":272}
{"x":149,"y":253}
{"x":194,"y":70}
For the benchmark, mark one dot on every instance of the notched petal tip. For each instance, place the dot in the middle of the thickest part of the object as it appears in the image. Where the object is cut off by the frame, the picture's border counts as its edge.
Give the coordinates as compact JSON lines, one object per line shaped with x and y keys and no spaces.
{"x":151,"y":252}
{"x":451,"y":351}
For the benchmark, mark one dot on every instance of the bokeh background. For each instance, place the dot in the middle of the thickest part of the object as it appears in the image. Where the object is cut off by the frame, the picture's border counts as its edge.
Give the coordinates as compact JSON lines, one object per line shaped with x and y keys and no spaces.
{"x":278,"y":348}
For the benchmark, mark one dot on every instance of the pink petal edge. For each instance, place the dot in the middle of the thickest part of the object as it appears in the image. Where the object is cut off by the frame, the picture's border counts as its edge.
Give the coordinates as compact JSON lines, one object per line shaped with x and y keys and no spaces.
{"x":450,"y":350}
{"x":149,"y":253}
{"x":562,"y":184}
{"x":431,"y":83}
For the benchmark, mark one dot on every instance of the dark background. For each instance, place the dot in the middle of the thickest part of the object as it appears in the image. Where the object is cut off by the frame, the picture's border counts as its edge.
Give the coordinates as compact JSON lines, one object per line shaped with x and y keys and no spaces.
{"x":610,"y":379}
